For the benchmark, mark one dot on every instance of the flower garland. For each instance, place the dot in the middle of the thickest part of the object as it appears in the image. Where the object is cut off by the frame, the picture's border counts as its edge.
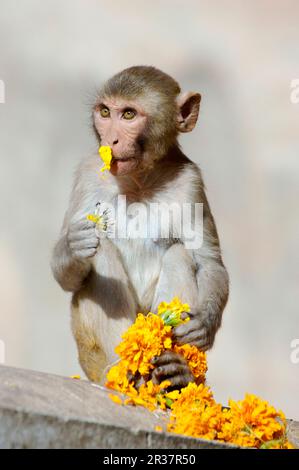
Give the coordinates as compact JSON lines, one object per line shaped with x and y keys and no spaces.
{"x":251,"y":422}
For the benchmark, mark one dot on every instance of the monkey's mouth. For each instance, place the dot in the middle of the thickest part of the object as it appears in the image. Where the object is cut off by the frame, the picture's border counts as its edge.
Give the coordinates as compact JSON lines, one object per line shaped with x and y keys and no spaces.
{"x":122,"y":165}
{"x":122,"y":159}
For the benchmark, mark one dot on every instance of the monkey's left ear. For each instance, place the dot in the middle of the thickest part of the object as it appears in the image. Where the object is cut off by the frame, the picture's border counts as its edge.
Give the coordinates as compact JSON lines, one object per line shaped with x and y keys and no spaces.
{"x":188,"y":109}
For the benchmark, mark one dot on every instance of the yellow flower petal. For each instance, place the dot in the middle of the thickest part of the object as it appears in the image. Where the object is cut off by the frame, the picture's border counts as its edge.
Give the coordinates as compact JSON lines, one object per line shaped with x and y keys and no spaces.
{"x":174,"y":395}
{"x":106,"y":155}
{"x":115,"y":398}
{"x":93,"y":218}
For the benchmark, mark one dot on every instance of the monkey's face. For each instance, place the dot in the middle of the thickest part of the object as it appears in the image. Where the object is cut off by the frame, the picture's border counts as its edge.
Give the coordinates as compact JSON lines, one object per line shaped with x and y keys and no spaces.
{"x":121,"y":124}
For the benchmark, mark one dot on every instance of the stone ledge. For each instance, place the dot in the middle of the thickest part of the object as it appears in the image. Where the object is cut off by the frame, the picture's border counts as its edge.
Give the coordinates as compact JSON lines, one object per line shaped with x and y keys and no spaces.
{"x":39,"y":410}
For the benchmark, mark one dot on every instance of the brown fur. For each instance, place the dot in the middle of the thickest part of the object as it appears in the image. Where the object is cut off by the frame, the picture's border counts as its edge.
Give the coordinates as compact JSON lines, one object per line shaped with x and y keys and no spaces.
{"x":112,"y":279}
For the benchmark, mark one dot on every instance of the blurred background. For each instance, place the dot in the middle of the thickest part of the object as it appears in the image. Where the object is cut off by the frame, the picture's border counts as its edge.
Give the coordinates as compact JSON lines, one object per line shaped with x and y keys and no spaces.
{"x":242,"y":57}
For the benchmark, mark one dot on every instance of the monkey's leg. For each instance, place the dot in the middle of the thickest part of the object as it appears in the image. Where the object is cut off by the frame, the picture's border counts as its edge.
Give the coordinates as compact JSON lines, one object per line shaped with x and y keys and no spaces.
{"x":101,"y":311}
{"x":91,"y":356}
{"x":202,"y":282}
{"x":177,"y":278}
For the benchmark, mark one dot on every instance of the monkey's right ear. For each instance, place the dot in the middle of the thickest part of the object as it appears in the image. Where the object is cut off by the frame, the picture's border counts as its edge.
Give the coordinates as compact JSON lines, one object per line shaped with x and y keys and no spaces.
{"x":188,"y":109}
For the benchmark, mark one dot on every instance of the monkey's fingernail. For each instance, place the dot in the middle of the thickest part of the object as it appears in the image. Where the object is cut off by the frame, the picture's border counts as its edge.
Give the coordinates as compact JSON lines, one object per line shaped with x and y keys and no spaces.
{"x":154,"y":359}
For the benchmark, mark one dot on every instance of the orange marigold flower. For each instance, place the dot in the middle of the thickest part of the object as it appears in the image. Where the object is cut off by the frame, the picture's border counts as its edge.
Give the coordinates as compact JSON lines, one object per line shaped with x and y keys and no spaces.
{"x":146,"y":338}
{"x":170,"y":312}
{"x":256,"y":420}
{"x":195,"y":413}
{"x":117,"y":378}
{"x":193,"y":394}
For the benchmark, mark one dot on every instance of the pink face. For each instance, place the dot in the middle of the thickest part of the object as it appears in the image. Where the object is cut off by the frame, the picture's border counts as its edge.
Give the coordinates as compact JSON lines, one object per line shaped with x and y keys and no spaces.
{"x":119,"y":124}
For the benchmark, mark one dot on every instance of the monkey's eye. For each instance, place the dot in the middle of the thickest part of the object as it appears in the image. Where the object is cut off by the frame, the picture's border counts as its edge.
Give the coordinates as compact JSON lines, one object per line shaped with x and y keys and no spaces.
{"x":129,"y":114}
{"x":104,"y":112}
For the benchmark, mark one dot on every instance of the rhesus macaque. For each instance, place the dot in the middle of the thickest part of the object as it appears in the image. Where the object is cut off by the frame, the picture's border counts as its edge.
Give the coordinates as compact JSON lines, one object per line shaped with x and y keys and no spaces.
{"x":139,"y":113}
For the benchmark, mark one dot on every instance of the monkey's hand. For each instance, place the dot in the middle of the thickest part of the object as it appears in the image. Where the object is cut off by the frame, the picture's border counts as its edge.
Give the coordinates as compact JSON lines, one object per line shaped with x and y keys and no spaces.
{"x":171,"y":366}
{"x":82,"y":239}
{"x":197,"y":331}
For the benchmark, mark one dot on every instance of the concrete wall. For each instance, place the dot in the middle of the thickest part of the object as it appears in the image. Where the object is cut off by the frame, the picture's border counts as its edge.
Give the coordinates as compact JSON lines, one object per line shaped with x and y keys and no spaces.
{"x":242,"y":57}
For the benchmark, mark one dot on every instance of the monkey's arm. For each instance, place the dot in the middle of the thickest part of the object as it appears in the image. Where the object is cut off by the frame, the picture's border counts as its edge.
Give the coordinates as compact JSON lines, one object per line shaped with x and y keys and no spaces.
{"x":71,"y":261}
{"x":78,"y":242}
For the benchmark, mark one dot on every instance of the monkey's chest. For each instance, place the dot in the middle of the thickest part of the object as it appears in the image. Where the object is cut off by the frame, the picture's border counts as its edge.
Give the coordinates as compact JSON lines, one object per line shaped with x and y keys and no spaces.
{"x":142,"y":259}
{"x":143,"y":233}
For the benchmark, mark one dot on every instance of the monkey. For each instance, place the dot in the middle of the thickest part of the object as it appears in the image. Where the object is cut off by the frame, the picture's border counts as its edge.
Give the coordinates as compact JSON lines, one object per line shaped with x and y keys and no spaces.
{"x":139,"y":113}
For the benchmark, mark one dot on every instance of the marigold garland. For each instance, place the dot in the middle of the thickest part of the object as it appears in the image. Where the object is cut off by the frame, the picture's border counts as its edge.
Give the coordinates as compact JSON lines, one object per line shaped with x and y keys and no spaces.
{"x":251,"y":422}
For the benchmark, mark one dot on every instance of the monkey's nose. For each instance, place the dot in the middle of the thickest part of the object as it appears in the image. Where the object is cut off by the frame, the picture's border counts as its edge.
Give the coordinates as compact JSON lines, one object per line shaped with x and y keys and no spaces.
{"x":115,"y":142}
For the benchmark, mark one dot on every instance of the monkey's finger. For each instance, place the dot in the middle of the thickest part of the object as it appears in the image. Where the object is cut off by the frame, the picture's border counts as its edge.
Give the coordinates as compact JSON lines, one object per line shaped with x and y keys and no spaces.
{"x":88,"y":253}
{"x":169,"y":370}
{"x":183,"y":330}
{"x":192,"y":337}
{"x":83,"y":224}
{"x":191,"y":314}
{"x":84,"y":252}
{"x":81,"y":234}
{"x":140,"y":381}
{"x":180,"y":381}
{"x":84,"y":244}
{"x":205,"y":339}
{"x":185,"y":315}
{"x":168,"y":357}
{"x":203,"y":344}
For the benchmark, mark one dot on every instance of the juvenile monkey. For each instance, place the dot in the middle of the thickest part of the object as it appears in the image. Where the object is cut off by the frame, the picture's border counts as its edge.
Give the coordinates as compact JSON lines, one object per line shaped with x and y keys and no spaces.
{"x":139,"y":113}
